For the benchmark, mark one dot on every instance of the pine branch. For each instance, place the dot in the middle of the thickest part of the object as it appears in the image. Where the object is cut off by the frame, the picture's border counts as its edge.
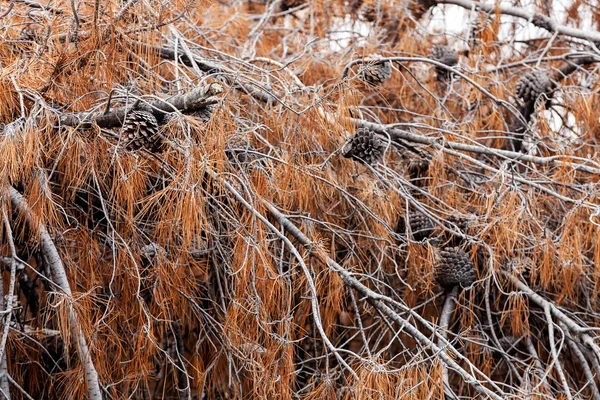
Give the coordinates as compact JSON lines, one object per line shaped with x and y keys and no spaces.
{"x":61,"y":281}
{"x":536,"y":19}
{"x":373,"y":298}
{"x":193,"y":100}
{"x":444,"y":323}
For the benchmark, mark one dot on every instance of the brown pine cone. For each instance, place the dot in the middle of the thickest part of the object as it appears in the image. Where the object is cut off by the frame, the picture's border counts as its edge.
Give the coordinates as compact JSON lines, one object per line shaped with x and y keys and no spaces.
{"x":371,"y":12}
{"x":445,"y":55}
{"x":287,"y":4}
{"x":520,"y":266}
{"x":374,"y":73}
{"x":141,"y":129}
{"x":420,"y":225}
{"x":239,"y":149}
{"x":364,"y":147}
{"x":204,"y":113}
{"x":455,"y":268}
{"x":532,"y":85}
{"x":418,"y":167}
{"x":462,"y":222}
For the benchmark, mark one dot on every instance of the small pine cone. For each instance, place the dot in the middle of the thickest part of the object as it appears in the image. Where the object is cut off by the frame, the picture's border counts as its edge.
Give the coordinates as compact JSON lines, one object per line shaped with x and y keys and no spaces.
{"x":239,"y":149}
{"x":141,"y":129}
{"x":365,"y":147}
{"x":374,"y":73}
{"x":287,"y":4}
{"x":370,"y":12}
{"x":30,"y":33}
{"x":520,"y":266}
{"x":532,"y":85}
{"x":509,"y":344}
{"x":455,"y":268}
{"x":420,"y":225}
{"x":204,"y":113}
{"x":354,"y":6}
{"x":462,"y":222}
{"x":445,"y":55}
{"x":418,"y":167}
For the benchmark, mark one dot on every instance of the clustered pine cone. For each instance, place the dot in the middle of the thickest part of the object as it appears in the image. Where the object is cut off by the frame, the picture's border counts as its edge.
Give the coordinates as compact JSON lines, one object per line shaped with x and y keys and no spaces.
{"x":373,"y":72}
{"x":455,"y":268}
{"x":365,"y":147}
{"x":445,"y":55}
{"x":532,"y":85}
{"x":141,"y":129}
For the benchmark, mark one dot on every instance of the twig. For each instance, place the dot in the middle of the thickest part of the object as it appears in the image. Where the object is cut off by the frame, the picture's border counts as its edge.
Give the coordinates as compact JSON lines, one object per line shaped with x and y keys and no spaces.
{"x":545,"y":304}
{"x":538,"y":365}
{"x":3,"y":366}
{"x":444,"y":324}
{"x":60,"y":278}
{"x":554,"y":353}
{"x":9,"y":303}
{"x":396,"y":134}
{"x":15,"y":384}
{"x":582,"y":361}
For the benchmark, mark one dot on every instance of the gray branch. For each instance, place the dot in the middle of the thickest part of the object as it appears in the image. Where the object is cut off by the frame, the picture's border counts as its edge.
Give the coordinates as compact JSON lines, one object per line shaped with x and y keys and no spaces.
{"x":193,"y":100}
{"x":536,"y":19}
{"x":60,"y":279}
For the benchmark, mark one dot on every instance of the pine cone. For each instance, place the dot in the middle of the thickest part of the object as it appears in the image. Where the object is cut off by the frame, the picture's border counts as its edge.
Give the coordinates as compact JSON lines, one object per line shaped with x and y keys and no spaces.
{"x":204,"y":113}
{"x":532,"y":85}
{"x":520,"y":266}
{"x":445,"y":55}
{"x":287,"y":4}
{"x":374,"y":73}
{"x":420,"y":225}
{"x":462,"y":222}
{"x":364,"y":147}
{"x":372,"y":12}
{"x":354,"y":6}
{"x":239,"y":149}
{"x":417,"y":168}
{"x":455,"y":268}
{"x":141,"y":129}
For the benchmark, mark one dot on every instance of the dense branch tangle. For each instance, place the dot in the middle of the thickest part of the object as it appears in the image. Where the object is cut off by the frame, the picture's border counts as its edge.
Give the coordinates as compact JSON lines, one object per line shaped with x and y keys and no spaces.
{"x":249,"y":259}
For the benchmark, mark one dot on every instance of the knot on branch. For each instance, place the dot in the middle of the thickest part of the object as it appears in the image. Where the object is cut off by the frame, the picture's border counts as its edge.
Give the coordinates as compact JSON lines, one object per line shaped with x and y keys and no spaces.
{"x":365,"y":147}
{"x":544,"y":22}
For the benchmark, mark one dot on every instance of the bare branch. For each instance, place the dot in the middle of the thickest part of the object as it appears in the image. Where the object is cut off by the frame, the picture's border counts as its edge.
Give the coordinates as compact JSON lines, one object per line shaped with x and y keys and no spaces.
{"x":60,"y":278}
